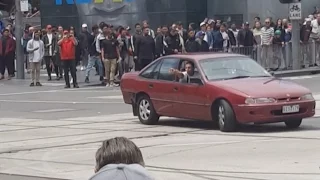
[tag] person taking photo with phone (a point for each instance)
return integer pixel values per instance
(67, 52)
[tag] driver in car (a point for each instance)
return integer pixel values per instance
(185, 76)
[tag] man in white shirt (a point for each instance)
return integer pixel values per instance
(187, 75)
(35, 48)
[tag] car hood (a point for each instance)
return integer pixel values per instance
(263, 87)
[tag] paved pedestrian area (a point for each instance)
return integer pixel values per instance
(50, 132)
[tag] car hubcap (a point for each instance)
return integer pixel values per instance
(221, 116)
(144, 109)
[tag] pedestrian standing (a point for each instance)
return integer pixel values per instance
(50, 44)
(67, 53)
(35, 48)
(109, 53)
(172, 44)
(83, 43)
(133, 43)
(94, 54)
(7, 51)
(146, 48)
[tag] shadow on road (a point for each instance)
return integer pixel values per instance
(265, 128)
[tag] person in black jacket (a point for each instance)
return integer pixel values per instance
(145, 49)
(83, 45)
(191, 44)
(246, 40)
(133, 45)
(204, 46)
(172, 44)
(159, 41)
(94, 54)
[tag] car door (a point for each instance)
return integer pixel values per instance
(194, 100)
(165, 89)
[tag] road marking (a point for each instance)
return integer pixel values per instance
(113, 117)
(59, 102)
(50, 91)
(53, 110)
(53, 84)
(106, 97)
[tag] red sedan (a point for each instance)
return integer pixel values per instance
(229, 89)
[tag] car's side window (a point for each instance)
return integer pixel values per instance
(152, 71)
(167, 64)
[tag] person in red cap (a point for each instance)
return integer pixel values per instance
(50, 51)
(67, 53)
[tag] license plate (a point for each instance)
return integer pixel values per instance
(290, 109)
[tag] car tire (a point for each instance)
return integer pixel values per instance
(146, 112)
(225, 117)
(294, 123)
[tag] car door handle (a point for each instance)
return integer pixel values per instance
(150, 86)
(175, 88)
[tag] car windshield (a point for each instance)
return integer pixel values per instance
(232, 68)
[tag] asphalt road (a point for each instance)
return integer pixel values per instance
(49, 132)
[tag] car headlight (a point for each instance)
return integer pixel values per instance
(259, 100)
(307, 97)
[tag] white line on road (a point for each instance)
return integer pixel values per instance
(49, 91)
(59, 102)
(53, 110)
(106, 97)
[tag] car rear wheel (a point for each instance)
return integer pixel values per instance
(226, 118)
(146, 112)
(293, 123)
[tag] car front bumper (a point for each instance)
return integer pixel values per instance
(268, 113)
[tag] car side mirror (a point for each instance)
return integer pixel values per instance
(196, 81)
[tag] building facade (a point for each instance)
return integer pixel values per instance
(245, 10)
(121, 12)
(160, 12)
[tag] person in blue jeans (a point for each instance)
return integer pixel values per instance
(95, 58)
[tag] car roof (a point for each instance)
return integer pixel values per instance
(201, 56)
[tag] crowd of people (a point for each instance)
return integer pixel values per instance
(114, 51)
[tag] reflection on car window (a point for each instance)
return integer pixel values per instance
(166, 66)
(231, 68)
(152, 71)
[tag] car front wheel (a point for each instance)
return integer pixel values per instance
(226, 118)
(146, 112)
(293, 123)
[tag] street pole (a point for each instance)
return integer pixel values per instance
(18, 36)
(295, 13)
(296, 45)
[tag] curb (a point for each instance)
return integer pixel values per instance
(302, 72)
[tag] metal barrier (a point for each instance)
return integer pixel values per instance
(279, 57)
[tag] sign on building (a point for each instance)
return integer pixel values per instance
(24, 5)
(295, 11)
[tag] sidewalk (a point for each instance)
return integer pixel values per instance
(300, 72)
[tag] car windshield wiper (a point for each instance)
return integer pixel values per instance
(238, 77)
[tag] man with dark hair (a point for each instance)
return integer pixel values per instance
(187, 74)
(145, 24)
(123, 39)
(133, 44)
(110, 54)
(7, 52)
(68, 52)
(160, 41)
(94, 54)
(172, 43)
(146, 49)
(181, 31)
